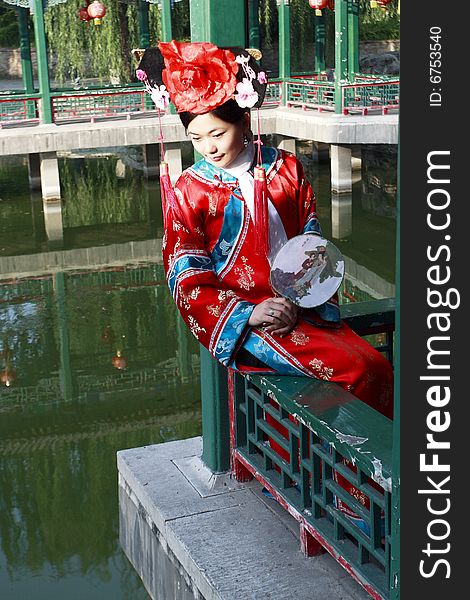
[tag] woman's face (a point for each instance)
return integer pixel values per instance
(219, 142)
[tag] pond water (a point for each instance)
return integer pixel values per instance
(95, 359)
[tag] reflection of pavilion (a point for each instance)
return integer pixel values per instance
(71, 357)
(362, 284)
(32, 265)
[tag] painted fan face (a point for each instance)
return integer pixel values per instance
(307, 270)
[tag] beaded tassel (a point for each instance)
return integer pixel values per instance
(261, 212)
(170, 204)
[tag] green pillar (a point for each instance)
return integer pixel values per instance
(43, 70)
(166, 21)
(25, 50)
(341, 50)
(143, 17)
(66, 379)
(353, 38)
(284, 45)
(254, 40)
(320, 43)
(167, 32)
(222, 22)
(215, 416)
(284, 37)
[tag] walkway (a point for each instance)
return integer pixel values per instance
(189, 532)
(323, 127)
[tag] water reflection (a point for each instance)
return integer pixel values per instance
(97, 358)
(70, 407)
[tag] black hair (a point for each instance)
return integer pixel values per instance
(229, 112)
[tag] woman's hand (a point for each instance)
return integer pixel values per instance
(276, 315)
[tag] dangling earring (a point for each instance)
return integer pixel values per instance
(246, 140)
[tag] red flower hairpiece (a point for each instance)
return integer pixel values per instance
(199, 76)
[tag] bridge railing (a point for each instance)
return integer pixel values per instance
(97, 103)
(367, 93)
(17, 108)
(310, 94)
(326, 457)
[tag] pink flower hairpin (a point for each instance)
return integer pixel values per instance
(159, 95)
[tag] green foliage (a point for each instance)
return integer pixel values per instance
(93, 194)
(382, 23)
(82, 49)
(302, 36)
(180, 24)
(9, 34)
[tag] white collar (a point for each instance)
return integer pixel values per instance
(242, 163)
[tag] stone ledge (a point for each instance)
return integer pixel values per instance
(219, 542)
(305, 124)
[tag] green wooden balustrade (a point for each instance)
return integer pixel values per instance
(328, 434)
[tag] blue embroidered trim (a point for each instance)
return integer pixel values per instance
(257, 346)
(231, 229)
(232, 330)
(185, 263)
(312, 226)
(203, 169)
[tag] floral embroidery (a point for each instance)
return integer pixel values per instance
(194, 326)
(299, 338)
(192, 295)
(322, 371)
(172, 256)
(214, 310)
(199, 231)
(165, 239)
(213, 199)
(245, 279)
(225, 294)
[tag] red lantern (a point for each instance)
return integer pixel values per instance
(119, 361)
(375, 3)
(318, 5)
(83, 13)
(96, 10)
(8, 376)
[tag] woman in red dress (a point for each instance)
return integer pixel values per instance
(219, 281)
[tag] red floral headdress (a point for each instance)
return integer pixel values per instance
(198, 77)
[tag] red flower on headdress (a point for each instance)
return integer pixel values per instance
(199, 76)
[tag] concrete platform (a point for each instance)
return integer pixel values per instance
(294, 122)
(191, 534)
(28, 265)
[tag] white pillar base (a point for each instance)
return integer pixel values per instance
(288, 144)
(120, 169)
(174, 160)
(51, 199)
(341, 215)
(341, 171)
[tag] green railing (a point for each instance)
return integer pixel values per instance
(326, 457)
(365, 94)
(310, 94)
(19, 108)
(98, 103)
